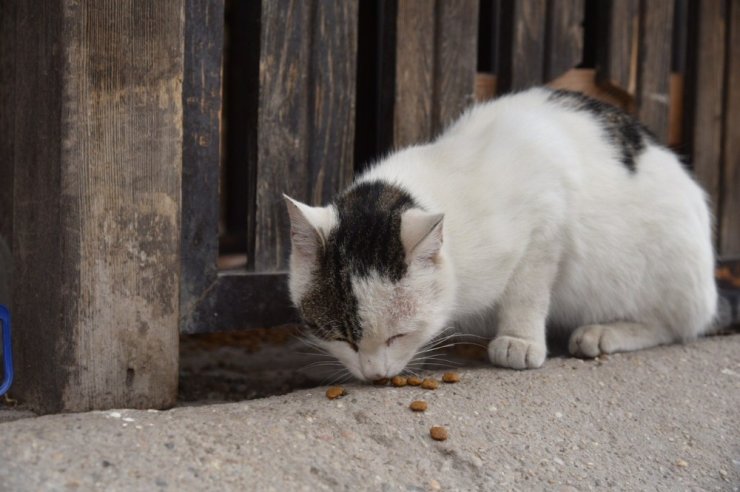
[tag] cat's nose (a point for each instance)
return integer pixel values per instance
(374, 376)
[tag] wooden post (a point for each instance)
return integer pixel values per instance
(98, 139)
(730, 212)
(7, 123)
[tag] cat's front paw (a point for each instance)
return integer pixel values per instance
(516, 353)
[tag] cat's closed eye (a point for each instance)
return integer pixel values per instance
(353, 345)
(394, 337)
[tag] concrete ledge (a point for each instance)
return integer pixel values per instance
(662, 419)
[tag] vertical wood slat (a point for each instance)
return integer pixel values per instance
(7, 124)
(619, 66)
(707, 104)
(527, 44)
(456, 59)
(565, 37)
(435, 66)
(295, 125)
(414, 86)
(654, 70)
(204, 39)
(730, 211)
(98, 183)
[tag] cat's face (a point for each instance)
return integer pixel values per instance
(370, 278)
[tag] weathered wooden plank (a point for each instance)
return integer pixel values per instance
(98, 183)
(204, 37)
(306, 114)
(243, 301)
(332, 103)
(283, 125)
(527, 43)
(565, 37)
(7, 124)
(456, 40)
(655, 66)
(413, 117)
(707, 82)
(730, 212)
(618, 67)
(41, 318)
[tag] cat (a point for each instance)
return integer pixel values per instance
(539, 208)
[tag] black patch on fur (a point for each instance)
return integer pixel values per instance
(627, 134)
(367, 239)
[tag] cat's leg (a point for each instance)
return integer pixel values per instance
(592, 340)
(522, 310)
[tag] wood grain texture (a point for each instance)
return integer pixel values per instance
(730, 211)
(204, 37)
(242, 301)
(456, 40)
(654, 66)
(527, 43)
(565, 37)
(44, 308)
(414, 87)
(618, 66)
(7, 132)
(306, 114)
(707, 97)
(106, 308)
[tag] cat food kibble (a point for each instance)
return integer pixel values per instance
(430, 384)
(335, 392)
(418, 406)
(380, 382)
(438, 433)
(398, 381)
(451, 377)
(413, 381)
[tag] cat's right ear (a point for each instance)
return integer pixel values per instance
(305, 236)
(421, 235)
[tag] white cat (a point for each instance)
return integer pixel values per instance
(542, 207)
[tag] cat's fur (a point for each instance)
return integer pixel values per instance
(543, 206)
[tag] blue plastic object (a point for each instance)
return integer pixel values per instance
(7, 351)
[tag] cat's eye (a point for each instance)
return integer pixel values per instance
(353, 345)
(394, 337)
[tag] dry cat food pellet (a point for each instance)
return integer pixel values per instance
(398, 381)
(438, 433)
(418, 406)
(335, 392)
(430, 384)
(381, 382)
(451, 377)
(413, 381)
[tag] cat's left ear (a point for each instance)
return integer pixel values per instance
(421, 235)
(305, 227)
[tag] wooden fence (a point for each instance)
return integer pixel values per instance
(145, 147)
(314, 90)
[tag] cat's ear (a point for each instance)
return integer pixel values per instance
(421, 235)
(305, 221)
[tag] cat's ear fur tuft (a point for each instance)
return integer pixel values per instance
(305, 235)
(421, 235)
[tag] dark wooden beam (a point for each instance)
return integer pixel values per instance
(729, 245)
(98, 139)
(204, 38)
(7, 132)
(240, 301)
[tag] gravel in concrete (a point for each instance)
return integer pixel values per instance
(662, 419)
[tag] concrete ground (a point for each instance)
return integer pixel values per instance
(661, 419)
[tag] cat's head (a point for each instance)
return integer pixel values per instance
(370, 277)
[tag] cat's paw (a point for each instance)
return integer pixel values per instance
(591, 341)
(516, 353)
